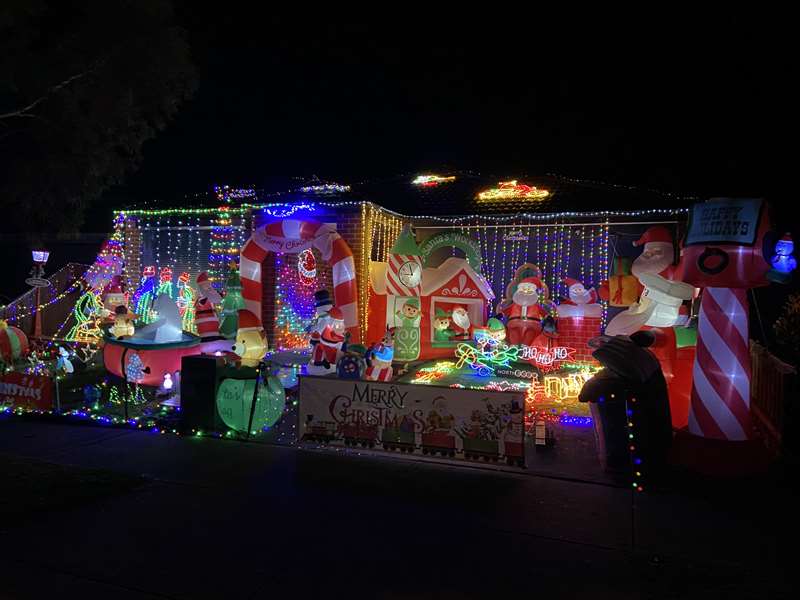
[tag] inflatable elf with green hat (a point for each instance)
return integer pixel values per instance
(441, 326)
(496, 329)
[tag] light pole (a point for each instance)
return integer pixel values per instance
(38, 281)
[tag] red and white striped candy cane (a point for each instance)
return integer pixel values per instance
(720, 406)
(293, 236)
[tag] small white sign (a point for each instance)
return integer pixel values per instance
(37, 282)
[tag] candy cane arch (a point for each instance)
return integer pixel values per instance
(720, 406)
(294, 236)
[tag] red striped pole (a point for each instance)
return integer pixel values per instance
(292, 235)
(720, 407)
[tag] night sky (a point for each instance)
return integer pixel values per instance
(687, 104)
(682, 104)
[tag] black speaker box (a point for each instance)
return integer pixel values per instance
(200, 378)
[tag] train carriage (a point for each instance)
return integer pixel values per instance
(515, 453)
(359, 434)
(477, 448)
(439, 442)
(321, 431)
(394, 438)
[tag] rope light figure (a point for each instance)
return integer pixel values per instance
(486, 356)
(88, 314)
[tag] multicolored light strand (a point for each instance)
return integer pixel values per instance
(294, 305)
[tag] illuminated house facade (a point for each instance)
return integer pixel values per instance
(548, 221)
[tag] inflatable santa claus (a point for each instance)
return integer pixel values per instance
(581, 302)
(662, 307)
(460, 323)
(113, 296)
(205, 317)
(524, 314)
(658, 253)
(327, 345)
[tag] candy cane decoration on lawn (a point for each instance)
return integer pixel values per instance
(293, 236)
(720, 406)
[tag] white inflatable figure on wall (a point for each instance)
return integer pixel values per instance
(659, 306)
(166, 326)
(581, 302)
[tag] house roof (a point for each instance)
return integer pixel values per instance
(434, 278)
(405, 243)
(460, 196)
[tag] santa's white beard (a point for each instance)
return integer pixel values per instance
(655, 265)
(580, 297)
(461, 319)
(525, 299)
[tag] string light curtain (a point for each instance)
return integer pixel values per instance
(379, 230)
(559, 249)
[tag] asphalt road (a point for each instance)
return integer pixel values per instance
(216, 518)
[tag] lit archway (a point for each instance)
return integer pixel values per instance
(293, 236)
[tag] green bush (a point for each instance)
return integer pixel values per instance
(787, 330)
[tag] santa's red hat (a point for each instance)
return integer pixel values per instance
(534, 280)
(248, 321)
(114, 286)
(330, 336)
(570, 281)
(657, 233)
(541, 286)
(336, 314)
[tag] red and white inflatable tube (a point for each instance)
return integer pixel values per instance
(294, 236)
(720, 407)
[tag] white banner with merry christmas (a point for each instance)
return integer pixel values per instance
(456, 423)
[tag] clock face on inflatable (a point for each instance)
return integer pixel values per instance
(410, 274)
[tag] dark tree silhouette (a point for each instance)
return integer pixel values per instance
(82, 86)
